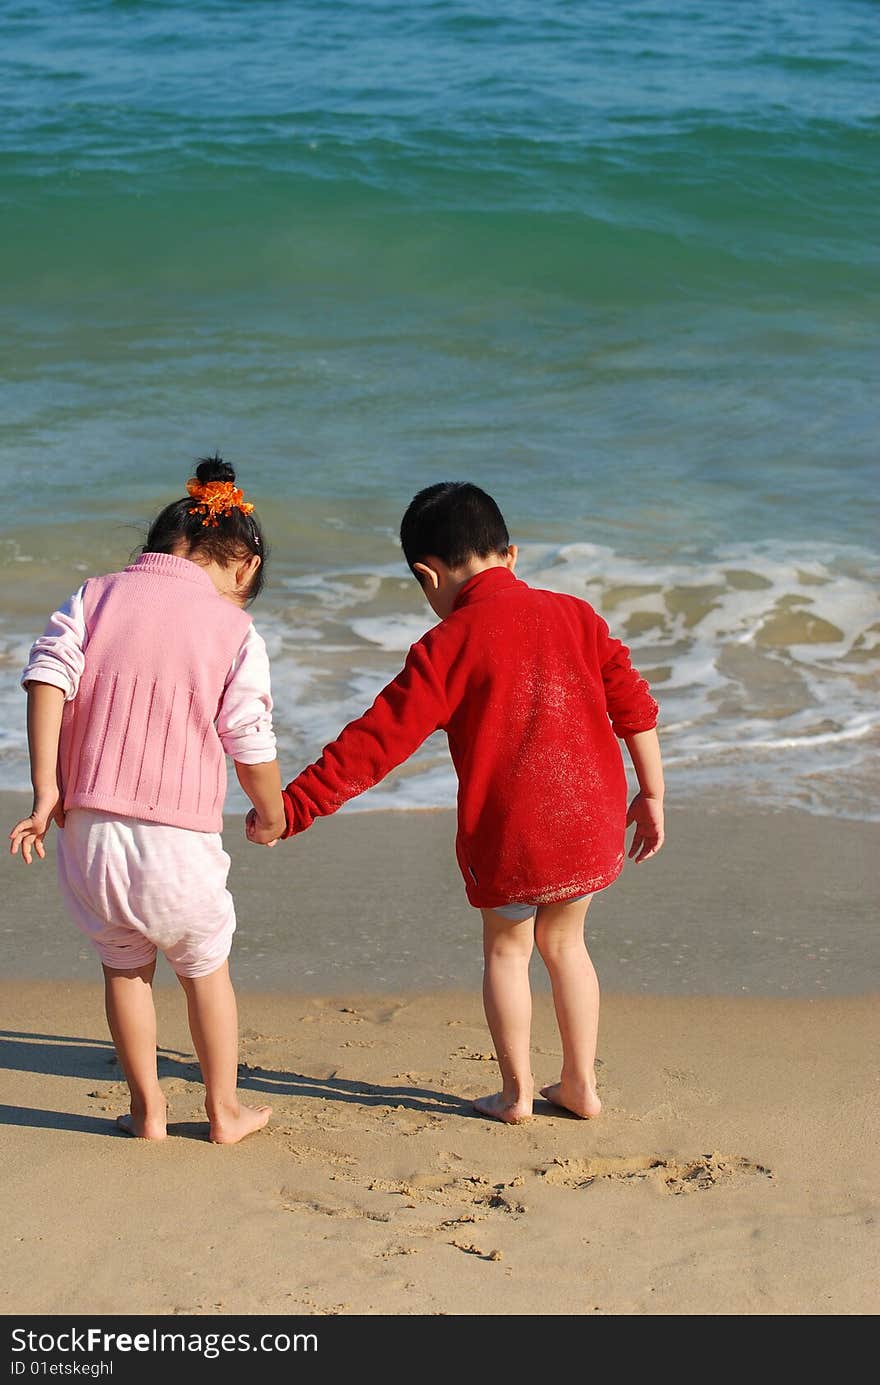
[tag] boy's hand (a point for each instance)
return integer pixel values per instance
(647, 814)
(29, 834)
(262, 835)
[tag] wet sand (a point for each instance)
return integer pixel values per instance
(739, 902)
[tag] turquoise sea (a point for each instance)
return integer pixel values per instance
(615, 262)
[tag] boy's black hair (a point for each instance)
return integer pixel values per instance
(235, 535)
(455, 521)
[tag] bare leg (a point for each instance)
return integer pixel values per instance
(131, 1015)
(507, 1000)
(213, 1023)
(559, 935)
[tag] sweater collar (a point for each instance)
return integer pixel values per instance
(490, 582)
(169, 565)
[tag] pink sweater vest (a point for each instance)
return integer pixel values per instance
(139, 738)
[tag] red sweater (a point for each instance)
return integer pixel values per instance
(531, 691)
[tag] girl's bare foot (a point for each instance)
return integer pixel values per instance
(230, 1127)
(510, 1110)
(578, 1097)
(147, 1125)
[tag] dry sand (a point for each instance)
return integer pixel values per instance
(734, 1169)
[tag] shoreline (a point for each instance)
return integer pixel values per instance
(739, 902)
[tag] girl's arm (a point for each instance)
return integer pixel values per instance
(51, 678)
(45, 705)
(244, 725)
(58, 655)
(646, 809)
(262, 784)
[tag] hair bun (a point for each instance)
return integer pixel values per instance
(214, 469)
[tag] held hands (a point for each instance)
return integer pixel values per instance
(29, 834)
(647, 814)
(262, 834)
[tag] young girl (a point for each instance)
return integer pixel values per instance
(139, 685)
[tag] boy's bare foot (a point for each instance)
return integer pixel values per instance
(578, 1097)
(143, 1127)
(512, 1111)
(229, 1128)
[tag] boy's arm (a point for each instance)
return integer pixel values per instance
(646, 809)
(633, 712)
(627, 695)
(45, 706)
(262, 784)
(402, 716)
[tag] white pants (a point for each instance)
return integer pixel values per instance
(136, 887)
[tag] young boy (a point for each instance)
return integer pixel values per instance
(532, 692)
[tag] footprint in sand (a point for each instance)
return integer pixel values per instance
(670, 1175)
(310, 1154)
(472, 1191)
(293, 1201)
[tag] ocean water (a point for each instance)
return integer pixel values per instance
(615, 262)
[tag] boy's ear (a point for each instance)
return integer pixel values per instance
(512, 555)
(427, 575)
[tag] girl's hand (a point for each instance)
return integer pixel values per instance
(647, 814)
(262, 835)
(29, 834)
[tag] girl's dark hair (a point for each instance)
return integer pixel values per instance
(235, 537)
(455, 521)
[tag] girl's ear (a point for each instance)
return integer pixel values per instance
(428, 576)
(245, 571)
(512, 555)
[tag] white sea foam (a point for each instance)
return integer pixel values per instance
(394, 633)
(747, 702)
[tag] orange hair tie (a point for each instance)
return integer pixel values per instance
(215, 498)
